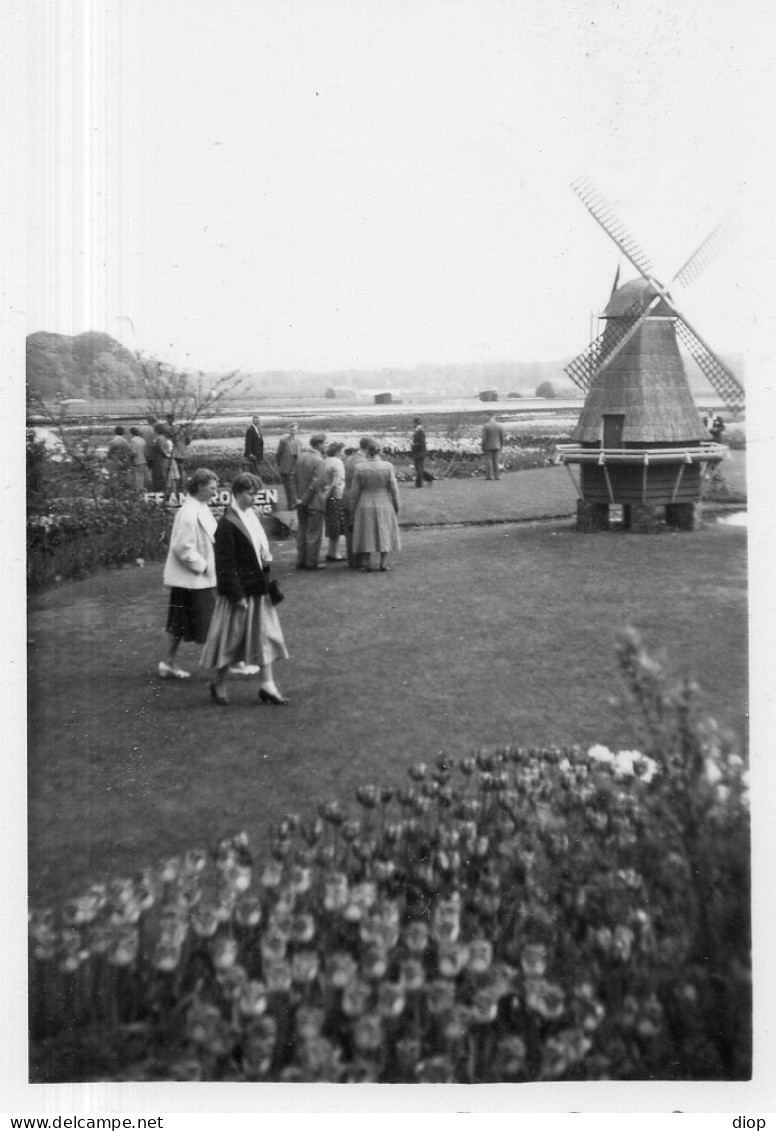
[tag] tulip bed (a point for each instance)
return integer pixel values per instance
(453, 453)
(525, 914)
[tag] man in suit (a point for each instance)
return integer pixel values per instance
(254, 446)
(310, 483)
(287, 454)
(418, 452)
(493, 437)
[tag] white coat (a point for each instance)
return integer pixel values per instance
(190, 560)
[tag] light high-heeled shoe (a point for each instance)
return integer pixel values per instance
(270, 697)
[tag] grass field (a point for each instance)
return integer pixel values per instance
(480, 635)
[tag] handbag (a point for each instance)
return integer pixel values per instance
(272, 589)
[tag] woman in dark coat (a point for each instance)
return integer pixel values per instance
(245, 624)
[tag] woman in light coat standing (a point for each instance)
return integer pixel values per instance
(375, 502)
(190, 571)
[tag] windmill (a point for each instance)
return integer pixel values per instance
(639, 441)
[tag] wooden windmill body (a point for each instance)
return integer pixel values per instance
(640, 443)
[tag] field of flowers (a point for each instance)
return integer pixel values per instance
(454, 451)
(525, 914)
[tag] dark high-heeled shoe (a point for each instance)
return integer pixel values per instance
(221, 700)
(269, 697)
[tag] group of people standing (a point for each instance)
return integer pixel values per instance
(330, 500)
(151, 458)
(344, 494)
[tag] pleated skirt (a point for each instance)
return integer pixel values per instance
(253, 634)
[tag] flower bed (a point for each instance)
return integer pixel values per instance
(456, 455)
(527, 914)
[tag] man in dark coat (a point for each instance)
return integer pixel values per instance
(418, 452)
(254, 446)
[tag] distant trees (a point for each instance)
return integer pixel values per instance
(111, 376)
(546, 389)
(92, 365)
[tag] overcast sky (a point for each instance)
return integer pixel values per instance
(356, 183)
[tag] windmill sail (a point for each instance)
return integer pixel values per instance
(603, 215)
(584, 367)
(714, 243)
(716, 373)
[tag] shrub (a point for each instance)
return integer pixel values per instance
(79, 536)
(735, 437)
(527, 914)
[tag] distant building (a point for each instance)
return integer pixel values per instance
(341, 392)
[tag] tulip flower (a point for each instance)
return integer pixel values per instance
(341, 969)
(368, 1032)
(252, 1001)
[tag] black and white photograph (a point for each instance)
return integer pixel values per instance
(475, 806)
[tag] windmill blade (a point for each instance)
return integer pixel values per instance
(715, 371)
(584, 367)
(714, 243)
(603, 214)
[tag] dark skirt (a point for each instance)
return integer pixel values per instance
(335, 518)
(190, 613)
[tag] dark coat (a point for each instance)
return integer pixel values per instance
(254, 445)
(418, 448)
(238, 571)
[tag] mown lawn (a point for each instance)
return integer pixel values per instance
(480, 635)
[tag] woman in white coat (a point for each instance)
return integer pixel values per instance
(190, 570)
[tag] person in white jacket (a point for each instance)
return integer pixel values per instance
(190, 570)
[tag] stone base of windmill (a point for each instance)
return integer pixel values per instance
(684, 516)
(592, 517)
(640, 518)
